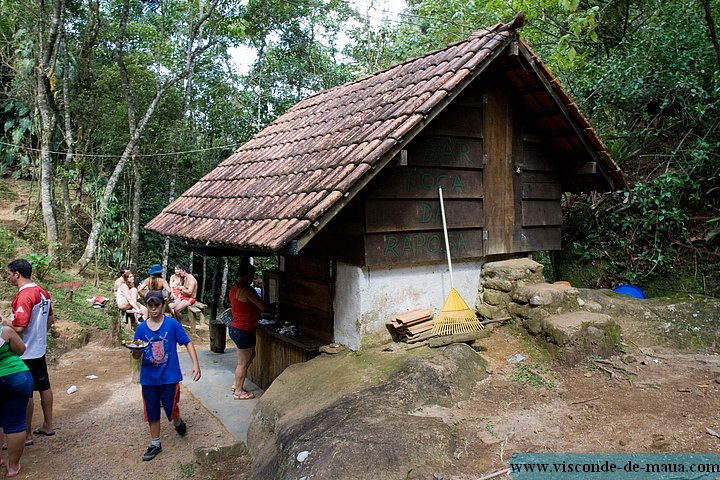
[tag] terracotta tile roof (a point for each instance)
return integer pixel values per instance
(297, 173)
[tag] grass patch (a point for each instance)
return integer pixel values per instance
(6, 194)
(533, 374)
(187, 470)
(79, 310)
(536, 348)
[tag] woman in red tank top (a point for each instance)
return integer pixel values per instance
(246, 307)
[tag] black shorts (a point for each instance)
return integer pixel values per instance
(38, 369)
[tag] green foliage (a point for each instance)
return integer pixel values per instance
(642, 233)
(532, 374)
(297, 53)
(187, 470)
(264, 264)
(7, 246)
(79, 310)
(40, 264)
(17, 125)
(51, 348)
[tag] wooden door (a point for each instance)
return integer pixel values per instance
(498, 174)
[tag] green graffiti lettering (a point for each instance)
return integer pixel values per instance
(434, 243)
(426, 213)
(391, 243)
(427, 181)
(461, 245)
(457, 184)
(407, 249)
(464, 153)
(440, 180)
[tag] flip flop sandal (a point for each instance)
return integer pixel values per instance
(243, 395)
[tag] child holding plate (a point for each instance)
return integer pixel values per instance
(155, 343)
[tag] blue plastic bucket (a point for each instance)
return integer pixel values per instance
(630, 290)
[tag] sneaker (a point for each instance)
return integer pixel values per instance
(152, 452)
(181, 428)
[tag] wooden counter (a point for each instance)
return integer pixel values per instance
(275, 352)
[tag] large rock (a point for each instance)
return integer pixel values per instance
(518, 269)
(578, 335)
(564, 329)
(546, 294)
(349, 416)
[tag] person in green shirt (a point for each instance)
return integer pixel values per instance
(16, 388)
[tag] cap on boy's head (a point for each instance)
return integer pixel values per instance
(155, 269)
(155, 296)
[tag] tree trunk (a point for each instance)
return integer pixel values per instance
(711, 28)
(223, 286)
(44, 70)
(218, 331)
(201, 287)
(86, 83)
(135, 217)
(171, 197)
(193, 51)
(69, 154)
(46, 192)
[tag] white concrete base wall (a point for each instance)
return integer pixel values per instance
(366, 298)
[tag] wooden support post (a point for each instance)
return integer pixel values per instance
(115, 326)
(218, 331)
(198, 309)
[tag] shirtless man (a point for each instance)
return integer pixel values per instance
(187, 287)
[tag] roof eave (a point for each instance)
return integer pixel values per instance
(608, 170)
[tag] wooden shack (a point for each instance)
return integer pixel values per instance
(344, 188)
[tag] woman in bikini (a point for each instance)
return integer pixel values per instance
(246, 306)
(156, 282)
(126, 295)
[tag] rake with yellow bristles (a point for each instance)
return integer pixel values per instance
(455, 316)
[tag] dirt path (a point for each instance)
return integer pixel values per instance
(100, 428)
(665, 405)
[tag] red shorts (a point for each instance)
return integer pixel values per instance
(187, 299)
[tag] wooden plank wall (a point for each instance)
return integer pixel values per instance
(273, 355)
(343, 238)
(403, 224)
(541, 190)
(500, 218)
(501, 184)
(306, 295)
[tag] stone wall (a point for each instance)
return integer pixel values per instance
(498, 282)
(517, 288)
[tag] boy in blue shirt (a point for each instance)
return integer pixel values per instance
(160, 373)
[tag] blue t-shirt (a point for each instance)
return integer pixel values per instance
(160, 364)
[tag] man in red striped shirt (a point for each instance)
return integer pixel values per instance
(31, 318)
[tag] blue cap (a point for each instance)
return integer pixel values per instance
(155, 269)
(155, 296)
